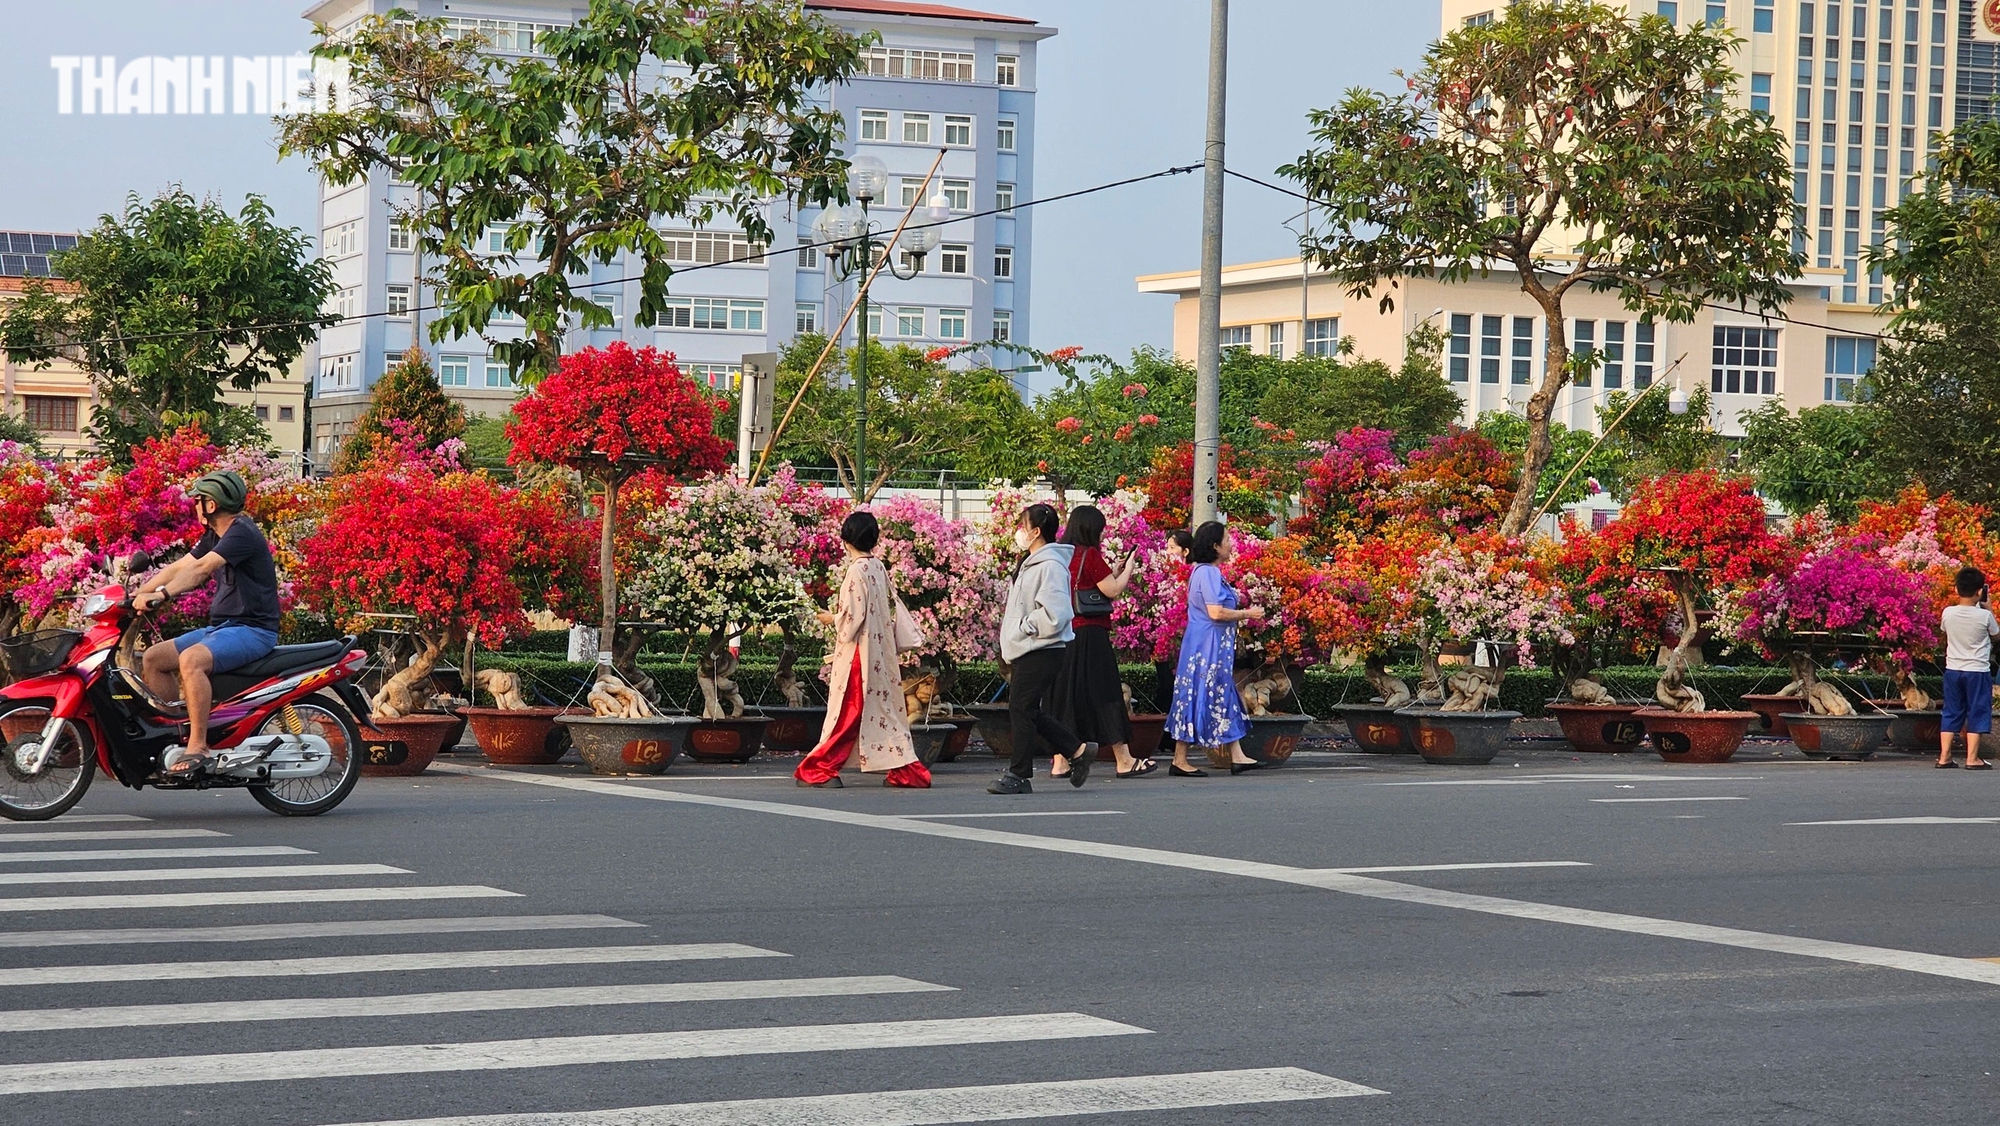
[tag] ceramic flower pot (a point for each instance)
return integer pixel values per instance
(1771, 712)
(1376, 729)
(404, 747)
(518, 737)
(961, 737)
(1915, 732)
(1273, 738)
(726, 740)
(995, 728)
(1849, 737)
(792, 730)
(611, 745)
(1458, 738)
(1147, 733)
(1699, 737)
(1600, 728)
(930, 739)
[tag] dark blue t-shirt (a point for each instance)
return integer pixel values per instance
(246, 588)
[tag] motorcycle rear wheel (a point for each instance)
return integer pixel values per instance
(53, 790)
(325, 716)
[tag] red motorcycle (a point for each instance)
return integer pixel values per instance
(282, 727)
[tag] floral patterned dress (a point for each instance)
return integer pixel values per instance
(1207, 711)
(864, 707)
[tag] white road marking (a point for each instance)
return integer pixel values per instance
(111, 835)
(1643, 801)
(556, 1051)
(341, 928)
(1908, 821)
(1038, 813)
(943, 1106)
(247, 898)
(237, 872)
(467, 1001)
(1564, 779)
(1938, 965)
(79, 819)
(382, 963)
(1457, 867)
(213, 852)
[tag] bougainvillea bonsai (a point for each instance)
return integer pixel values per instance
(1343, 487)
(608, 414)
(1706, 534)
(1368, 601)
(1460, 483)
(31, 490)
(1848, 597)
(722, 560)
(1610, 606)
(1486, 588)
(1931, 538)
(1244, 492)
(955, 596)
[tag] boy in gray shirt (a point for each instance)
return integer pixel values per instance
(1969, 630)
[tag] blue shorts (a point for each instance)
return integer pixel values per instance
(1968, 702)
(232, 645)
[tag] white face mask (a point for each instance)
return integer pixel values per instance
(1021, 539)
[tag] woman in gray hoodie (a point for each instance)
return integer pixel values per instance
(1033, 635)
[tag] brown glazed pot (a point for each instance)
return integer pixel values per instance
(995, 727)
(792, 730)
(1600, 729)
(1915, 732)
(1268, 739)
(405, 747)
(612, 745)
(1850, 737)
(1376, 729)
(519, 737)
(727, 740)
(929, 740)
(1458, 738)
(1147, 733)
(960, 738)
(1698, 737)
(1771, 713)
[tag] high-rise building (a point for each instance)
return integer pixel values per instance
(939, 77)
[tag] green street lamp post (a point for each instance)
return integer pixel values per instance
(855, 246)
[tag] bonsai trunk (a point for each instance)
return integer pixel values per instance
(607, 574)
(625, 665)
(1673, 692)
(1430, 685)
(785, 680)
(1395, 693)
(1580, 684)
(1474, 689)
(1820, 697)
(715, 674)
(407, 691)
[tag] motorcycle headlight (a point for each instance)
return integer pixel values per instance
(97, 604)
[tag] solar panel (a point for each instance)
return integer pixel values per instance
(44, 244)
(13, 266)
(20, 243)
(38, 266)
(65, 242)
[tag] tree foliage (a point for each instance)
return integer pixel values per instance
(573, 153)
(166, 304)
(1574, 145)
(1822, 457)
(408, 394)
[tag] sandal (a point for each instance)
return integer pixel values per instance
(180, 763)
(1946, 765)
(1143, 767)
(1982, 765)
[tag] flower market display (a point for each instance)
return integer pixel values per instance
(936, 568)
(1486, 590)
(1849, 597)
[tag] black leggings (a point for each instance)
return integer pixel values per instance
(1034, 680)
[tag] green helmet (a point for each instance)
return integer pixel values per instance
(225, 487)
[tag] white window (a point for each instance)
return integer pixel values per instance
(678, 312)
(506, 317)
(1235, 336)
(1003, 198)
(497, 375)
(711, 247)
(1583, 345)
(343, 303)
(399, 301)
(916, 129)
(1003, 324)
(958, 195)
(401, 237)
(1642, 355)
(1744, 361)
(1848, 360)
(1458, 353)
(263, 413)
(609, 303)
(951, 324)
(875, 321)
(343, 240)
(713, 313)
(1521, 361)
(907, 262)
(1006, 134)
(909, 62)
(454, 371)
(911, 188)
(518, 37)
(909, 322)
(1007, 70)
(1614, 354)
(746, 316)
(954, 258)
(808, 254)
(957, 130)
(717, 377)
(1003, 261)
(337, 371)
(1323, 336)
(1489, 349)
(874, 124)
(1274, 340)
(392, 361)
(808, 318)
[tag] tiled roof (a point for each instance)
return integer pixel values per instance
(25, 254)
(896, 8)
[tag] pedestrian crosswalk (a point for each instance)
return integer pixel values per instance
(431, 1012)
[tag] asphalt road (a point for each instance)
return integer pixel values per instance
(1688, 947)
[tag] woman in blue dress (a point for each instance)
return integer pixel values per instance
(1207, 710)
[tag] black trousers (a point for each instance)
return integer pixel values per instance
(1037, 734)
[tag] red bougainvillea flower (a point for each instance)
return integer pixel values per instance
(1069, 425)
(937, 355)
(1122, 434)
(1135, 390)
(1065, 355)
(609, 412)
(1149, 420)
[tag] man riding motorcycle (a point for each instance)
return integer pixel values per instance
(243, 617)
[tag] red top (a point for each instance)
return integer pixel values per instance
(1087, 568)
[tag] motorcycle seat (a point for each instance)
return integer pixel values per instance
(284, 659)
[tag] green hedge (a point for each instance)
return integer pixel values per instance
(1528, 691)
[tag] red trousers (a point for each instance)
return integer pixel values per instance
(825, 761)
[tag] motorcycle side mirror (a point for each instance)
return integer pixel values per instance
(139, 561)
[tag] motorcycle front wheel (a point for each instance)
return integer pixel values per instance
(58, 782)
(326, 717)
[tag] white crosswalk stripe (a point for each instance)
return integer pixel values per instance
(79, 819)
(635, 991)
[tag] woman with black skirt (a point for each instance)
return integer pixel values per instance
(1090, 696)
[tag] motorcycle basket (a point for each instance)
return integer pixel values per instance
(33, 654)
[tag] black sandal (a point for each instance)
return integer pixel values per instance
(1981, 765)
(1179, 773)
(180, 764)
(1946, 765)
(1146, 766)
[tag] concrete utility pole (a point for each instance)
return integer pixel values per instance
(1208, 356)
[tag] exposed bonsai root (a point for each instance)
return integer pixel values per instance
(719, 694)
(1590, 690)
(504, 687)
(1820, 697)
(1394, 691)
(613, 698)
(1473, 690)
(408, 692)
(785, 680)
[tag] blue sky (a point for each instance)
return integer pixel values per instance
(1122, 92)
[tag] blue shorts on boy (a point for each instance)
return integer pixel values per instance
(1968, 702)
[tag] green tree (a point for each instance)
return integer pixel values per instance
(15, 429)
(1823, 456)
(1653, 441)
(1574, 145)
(571, 155)
(409, 395)
(164, 305)
(1568, 448)
(1319, 397)
(486, 444)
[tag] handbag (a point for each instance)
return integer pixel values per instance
(1087, 601)
(909, 635)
